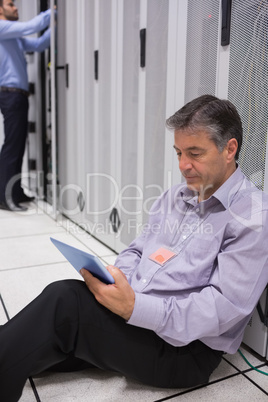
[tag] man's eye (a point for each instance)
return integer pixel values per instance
(195, 155)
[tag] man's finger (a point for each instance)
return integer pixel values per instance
(116, 273)
(91, 281)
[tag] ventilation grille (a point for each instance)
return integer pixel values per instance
(201, 53)
(248, 76)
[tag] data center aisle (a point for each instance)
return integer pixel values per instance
(29, 261)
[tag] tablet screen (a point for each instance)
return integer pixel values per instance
(80, 259)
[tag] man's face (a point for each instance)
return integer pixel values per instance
(205, 168)
(9, 11)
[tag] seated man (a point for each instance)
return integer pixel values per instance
(184, 289)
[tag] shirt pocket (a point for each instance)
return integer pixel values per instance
(199, 258)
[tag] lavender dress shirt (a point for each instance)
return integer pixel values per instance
(208, 290)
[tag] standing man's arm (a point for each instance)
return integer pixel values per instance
(37, 44)
(15, 29)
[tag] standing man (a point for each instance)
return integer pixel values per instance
(14, 94)
(184, 290)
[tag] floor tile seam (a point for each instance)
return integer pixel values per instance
(4, 307)
(84, 244)
(91, 249)
(262, 365)
(107, 256)
(10, 218)
(110, 255)
(32, 266)
(34, 389)
(64, 230)
(86, 232)
(254, 383)
(22, 215)
(254, 368)
(246, 371)
(45, 213)
(28, 235)
(188, 391)
(34, 212)
(232, 364)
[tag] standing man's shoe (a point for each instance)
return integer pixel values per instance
(24, 198)
(12, 206)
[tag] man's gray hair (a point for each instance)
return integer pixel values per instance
(219, 118)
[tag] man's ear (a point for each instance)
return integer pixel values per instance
(231, 149)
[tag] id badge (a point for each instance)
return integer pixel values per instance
(162, 255)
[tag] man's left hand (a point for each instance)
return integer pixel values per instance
(118, 297)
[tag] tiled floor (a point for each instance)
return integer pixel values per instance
(29, 261)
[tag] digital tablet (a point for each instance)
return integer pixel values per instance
(80, 259)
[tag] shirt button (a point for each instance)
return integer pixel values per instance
(184, 237)
(144, 280)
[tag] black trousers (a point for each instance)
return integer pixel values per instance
(66, 326)
(14, 107)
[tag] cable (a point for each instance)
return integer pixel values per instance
(259, 371)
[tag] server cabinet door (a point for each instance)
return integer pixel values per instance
(248, 85)
(71, 72)
(101, 185)
(129, 153)
(68, 136)
(142, 122)
(248, 90)
(155, 102)
(256, 333)
(202, 48)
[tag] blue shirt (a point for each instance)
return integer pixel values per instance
(13, 69)
(208, 290)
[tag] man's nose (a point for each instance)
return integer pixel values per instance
(185, 163)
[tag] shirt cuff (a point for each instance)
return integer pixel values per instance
(148, 312)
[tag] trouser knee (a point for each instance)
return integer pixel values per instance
(61, 301)
(64, 288)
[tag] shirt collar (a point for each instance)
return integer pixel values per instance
(224, 194)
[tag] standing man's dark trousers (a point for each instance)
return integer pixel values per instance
(65, 326)
(14, 107)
